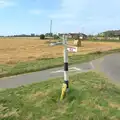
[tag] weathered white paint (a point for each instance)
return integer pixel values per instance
(92, 65)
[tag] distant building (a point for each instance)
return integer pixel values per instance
(74, 35)
(117, 34)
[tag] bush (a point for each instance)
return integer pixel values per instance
(98, 52)
(42, 36)
(56, 37)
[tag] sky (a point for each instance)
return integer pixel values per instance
(33, 16)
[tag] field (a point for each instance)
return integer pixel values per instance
(91, 97)
(13, 50)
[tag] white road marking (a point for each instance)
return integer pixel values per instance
(58, 71)
(77, 69)
(72, 69)
(92, 65)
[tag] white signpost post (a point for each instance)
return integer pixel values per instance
(67, 48)
(66, 77)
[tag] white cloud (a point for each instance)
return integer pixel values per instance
(61, 16)
(6, 3)
(70, 9)
(77, 14)
(69, 22)
(35, 12)
(70, 14)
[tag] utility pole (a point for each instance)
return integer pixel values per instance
(51, 28)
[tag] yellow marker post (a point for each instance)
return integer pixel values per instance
(64, 88)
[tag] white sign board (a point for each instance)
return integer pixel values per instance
(72, 49)
(81, 37)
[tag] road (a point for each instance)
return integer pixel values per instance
(109, 64)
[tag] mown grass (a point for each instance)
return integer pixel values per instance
(43, 64)
(91, 97)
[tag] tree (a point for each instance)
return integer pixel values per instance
(56, 36)
(42, 36)
(32, 35)
(48, 34)
(109, 34)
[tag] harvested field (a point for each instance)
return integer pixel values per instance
(13, 50)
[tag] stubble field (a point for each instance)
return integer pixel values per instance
(13, 50)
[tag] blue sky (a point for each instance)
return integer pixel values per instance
(33, 16)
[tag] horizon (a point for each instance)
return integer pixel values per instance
(84, 16)
(15, 35)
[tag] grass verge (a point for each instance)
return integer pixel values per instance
(38, 65)
(91, 97)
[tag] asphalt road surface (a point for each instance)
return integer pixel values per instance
(109, 64)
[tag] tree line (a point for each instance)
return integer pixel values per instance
(22, 35)
(110, 33)
(32, 35)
